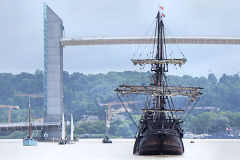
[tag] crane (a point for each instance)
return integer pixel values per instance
(108, 115)
(9, 107)
(29, 95)
(110, 104)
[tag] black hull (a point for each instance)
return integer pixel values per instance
(62, 142)
(158, 144)
(106, 140)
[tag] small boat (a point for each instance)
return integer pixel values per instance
(192, 141)
(108, 121)
(29, 141)
(63, 140)
(106, 140)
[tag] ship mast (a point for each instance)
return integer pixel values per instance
(29, 119)
(159, 89)
(159, 70)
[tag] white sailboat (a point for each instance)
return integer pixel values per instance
(72, 130)
(63, 139)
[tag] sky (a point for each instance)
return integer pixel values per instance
(21, 31)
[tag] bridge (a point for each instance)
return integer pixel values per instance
(24, 126)
(149, 40)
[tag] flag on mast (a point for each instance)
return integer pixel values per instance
(162, 8)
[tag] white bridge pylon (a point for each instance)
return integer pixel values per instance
(148, 40)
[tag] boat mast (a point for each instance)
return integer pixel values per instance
(29, 119)
(159, 71)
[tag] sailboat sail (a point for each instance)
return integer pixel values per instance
(72, 128)
(63, 127)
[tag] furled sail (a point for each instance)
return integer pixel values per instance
(141, 62)
(192, 92)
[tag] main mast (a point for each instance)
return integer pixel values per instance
(159, 69)
(159, 89)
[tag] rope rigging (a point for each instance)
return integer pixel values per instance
(127, 111)
(191, 109)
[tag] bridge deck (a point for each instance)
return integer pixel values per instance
(147, 40)
(24, 126)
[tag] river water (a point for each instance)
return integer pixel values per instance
(120, 149)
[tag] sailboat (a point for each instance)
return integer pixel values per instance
(63, 138)
(160, 128)
(71, 141)
(108, 123)
(29, 141)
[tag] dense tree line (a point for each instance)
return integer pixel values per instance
(118, 128)
(213, 122)
(83, 93)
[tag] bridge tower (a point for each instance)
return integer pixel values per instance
(53, 69)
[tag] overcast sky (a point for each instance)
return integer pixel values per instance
(21, 31)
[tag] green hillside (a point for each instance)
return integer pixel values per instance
(83, 93)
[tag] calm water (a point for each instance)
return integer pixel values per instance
(120, 149)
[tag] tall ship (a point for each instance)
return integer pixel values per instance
(160, 127)
(63, 139)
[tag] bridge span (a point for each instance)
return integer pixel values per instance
(24, 126)
(148, 40)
